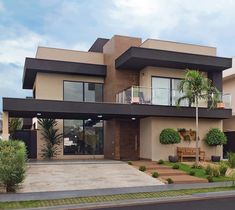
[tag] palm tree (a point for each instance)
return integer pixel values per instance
(51, 137)
(195, 87)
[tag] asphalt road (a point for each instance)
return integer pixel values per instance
(227, 203)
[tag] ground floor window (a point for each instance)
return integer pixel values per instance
(83, 137)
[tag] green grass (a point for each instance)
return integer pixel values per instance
(198, 172)
(106, 198)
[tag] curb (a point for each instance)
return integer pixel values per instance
(106, 191)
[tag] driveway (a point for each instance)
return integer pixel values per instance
(82, 175)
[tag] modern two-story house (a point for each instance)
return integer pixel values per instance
(114, 100)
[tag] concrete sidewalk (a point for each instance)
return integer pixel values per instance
(105, 191)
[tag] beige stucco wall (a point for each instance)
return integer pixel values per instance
(179, 47)
(50, 86)
(229, 124)
(159, 151)
(70, 55)
(146, 138)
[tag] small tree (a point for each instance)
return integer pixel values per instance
(170, 136)
(194, 87)
(14, 125)
(12, 164)
(215, 137)
(51, 136)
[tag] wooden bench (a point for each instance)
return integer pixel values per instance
(183, 152)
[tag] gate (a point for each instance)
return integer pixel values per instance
(29, 137)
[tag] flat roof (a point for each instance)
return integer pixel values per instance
(137, 58)
(34, 65)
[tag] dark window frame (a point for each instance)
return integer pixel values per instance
(83, 89)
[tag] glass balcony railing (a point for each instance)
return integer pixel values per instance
(162, 96)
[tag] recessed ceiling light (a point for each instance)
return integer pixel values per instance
(89, 119)
(99, 116)
(39, 114)
(133, 118)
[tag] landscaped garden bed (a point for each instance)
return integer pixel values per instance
(203, 170)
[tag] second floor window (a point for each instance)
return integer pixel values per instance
(83, 91)
(165, 91)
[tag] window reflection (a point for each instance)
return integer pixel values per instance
(83, 137)
(83, 91)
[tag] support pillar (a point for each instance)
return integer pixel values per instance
(5, 126)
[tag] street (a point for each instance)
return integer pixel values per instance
(227, 203)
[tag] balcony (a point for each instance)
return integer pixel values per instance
(162, 96)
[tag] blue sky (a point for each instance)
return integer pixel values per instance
(75, 24)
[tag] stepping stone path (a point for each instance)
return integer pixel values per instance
(165, 172)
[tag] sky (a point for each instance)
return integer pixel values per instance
(75, 24)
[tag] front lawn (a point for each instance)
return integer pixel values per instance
(199, 172)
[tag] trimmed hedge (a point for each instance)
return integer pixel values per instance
(12, 164)
(215, 137)
(169, 136)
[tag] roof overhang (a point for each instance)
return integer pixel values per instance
(137, 58)
(29, 108)
(33, 66)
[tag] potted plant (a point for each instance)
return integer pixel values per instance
(220, 105)
(170, 136)
(215, 137)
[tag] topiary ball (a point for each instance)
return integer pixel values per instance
(215, 137)
(169, 136)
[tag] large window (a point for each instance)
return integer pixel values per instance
(83, 137)
(83, 91)
(165, 91)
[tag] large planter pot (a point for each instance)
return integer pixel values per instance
(215, 158)
(173, 159)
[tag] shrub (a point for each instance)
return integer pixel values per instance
(195, 166)
(12, 164)
(130, 163)
(170, 181)
(212, 171)
(210, 178)
(155, 174)
(142, 168)
(215, 137)
(176, 166)
(231, 159)
(223, 168)
(160, 162)
(215, 171)
(169, 136)
(209, 170)
(191, 173)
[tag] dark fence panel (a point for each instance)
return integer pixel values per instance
(29, 137)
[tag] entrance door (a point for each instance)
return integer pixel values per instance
(129, 139)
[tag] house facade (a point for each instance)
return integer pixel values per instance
(114, 100)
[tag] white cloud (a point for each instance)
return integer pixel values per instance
(2, 8)
(207, 22)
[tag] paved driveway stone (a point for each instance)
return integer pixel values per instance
(80, 175)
